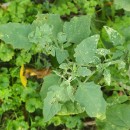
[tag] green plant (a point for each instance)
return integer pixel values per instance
(19, 11)
(73, 7)
(84, 64)
(88, 78)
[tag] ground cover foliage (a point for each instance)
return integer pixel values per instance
(64, 64)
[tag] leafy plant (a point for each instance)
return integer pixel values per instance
(18, 11)
(73, 7)
(88, 76)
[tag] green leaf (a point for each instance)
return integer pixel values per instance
(61, 37)
(49, 80)
(23, 57)
(106, 125)
(117, 99)
(61, 55)
(125, 4)
(16, 34)
(4, 78)
(107, 76)
(117, 54)
(71, 108)
(56, 96)
(115, 37)
(32, 104)
(61, 92)
(41, 35)
(90, 96)
(70, 92)
(119, 115)
(73, 122)
(121, 64)
(83, 71)
(5, 94)
(18, 123)
(103, 52)
(85, 51)
(6, 52)
(53, 20)
(51, 106)
(77, 29)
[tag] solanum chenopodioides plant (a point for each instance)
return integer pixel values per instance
(79, 59)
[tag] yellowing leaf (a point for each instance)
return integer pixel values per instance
(22, 77)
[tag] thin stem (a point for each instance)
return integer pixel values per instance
(89, 76)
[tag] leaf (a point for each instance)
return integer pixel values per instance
(117, 99)
(53, 20)
(16, 34)
(89, 96)
(61, 37)
(65, 91)
(119, 115)
(6, 52)
(61, 55)
(32, 104)
(22, 77)
(49, 80)
(107, 76)
(57, 95)
(51, 106)
(71, 108)
(103, 52)
(85, 51)
(117, 54)
(23, 57)
(41, 35)
(61, 92)
(106, 125)
(115, 37)
(75, 31)
(121, 64)
(70, 92)
(83, 71)
(125, 4)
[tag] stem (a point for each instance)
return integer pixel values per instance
(89, 76)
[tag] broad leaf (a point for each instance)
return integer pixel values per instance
(119, 115)
(42, 35)
(125, 4)
(89, 95)
(106, 125)
(61, 37)
(70, 92)
(49, 80)
(115, 37)
(83, 71)
(51, 106)
(85, 51)
(61, 55)
(71, 108)
(52, 20)
(52, 103)
(77, 29)
(16, 34)
(62, 92)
